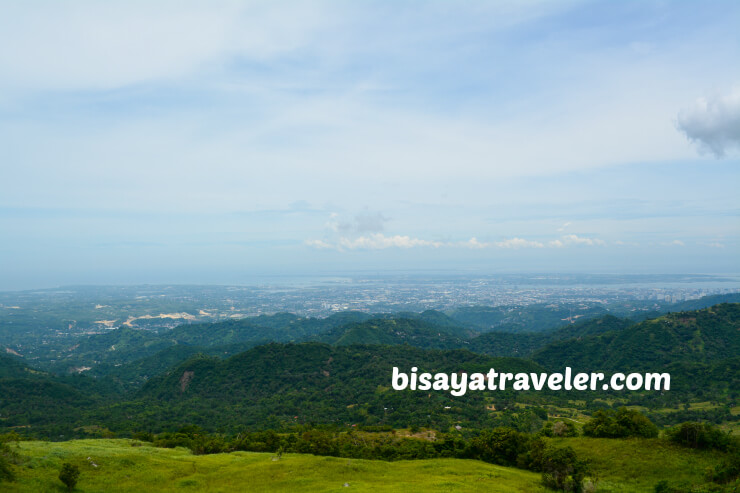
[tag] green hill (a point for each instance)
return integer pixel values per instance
(119, 467)
(394, 331)
(704, 336)
(102, 352)
(280, 385)
(619, 465)
(523, 344)
(29, 397)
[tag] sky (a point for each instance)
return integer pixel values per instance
(217, 141)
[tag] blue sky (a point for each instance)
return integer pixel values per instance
(214, 141)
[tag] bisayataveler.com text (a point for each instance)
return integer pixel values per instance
(459, 383)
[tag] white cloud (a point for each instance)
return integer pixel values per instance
(575, 240)
(518, 243)
(105, 45)
(379, 241)
(320, 244)
(713, 122)
(674, 243)
(474, 243)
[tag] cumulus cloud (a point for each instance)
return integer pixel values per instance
(575, 240)
(518, 243)
(474, 243)
(713, 123)
(674, 243)
(320, 244)
(379, 241)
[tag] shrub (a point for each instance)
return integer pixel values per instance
(69, 475)
(701, 435)
(562, 470)
(6, 473)
(500, 445)
(559, 429)
(726, 471)
(7, 456)
(622, 423)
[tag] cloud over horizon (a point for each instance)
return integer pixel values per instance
(379, 241)
(713, 123)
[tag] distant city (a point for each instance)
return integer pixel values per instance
(95, 309)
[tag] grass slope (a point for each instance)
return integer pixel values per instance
(123, 468)
(637, 464)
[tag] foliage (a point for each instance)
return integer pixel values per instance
(559, 428)
(500, 446)
(6, 458)
(704, 336)
(702, 435)
(619, 424)
(69, 475)
(562, 470)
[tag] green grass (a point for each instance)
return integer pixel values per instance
(124, 468)
(630, 465)
(637, 464)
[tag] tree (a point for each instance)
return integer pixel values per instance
(562, 470)
(619, 424)
(7, 456)
(69, 475)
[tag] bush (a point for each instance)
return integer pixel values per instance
(500, 446)
(702, 436)
(622, 423)
(7, 456)
(559, 429)
(6, 473)
(69, 475)
(204, 444)
(562, 470)
(726, 471)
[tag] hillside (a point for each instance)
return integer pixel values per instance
(394, 331)
(165, 470)
(101, 352)
(29, 396)
(523, 344)
(705, 336)
(281, 385)
(632, 465)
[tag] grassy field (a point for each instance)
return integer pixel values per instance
(122, 467)
(632, 465)
(637, 464)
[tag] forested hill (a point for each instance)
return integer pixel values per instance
(457, 328)
(124, 345)
(348, 380)
(13, 367)
(705, 336)
(280, 384)
(523, 344)
(394, 331)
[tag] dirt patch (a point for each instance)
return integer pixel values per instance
(185, 380)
